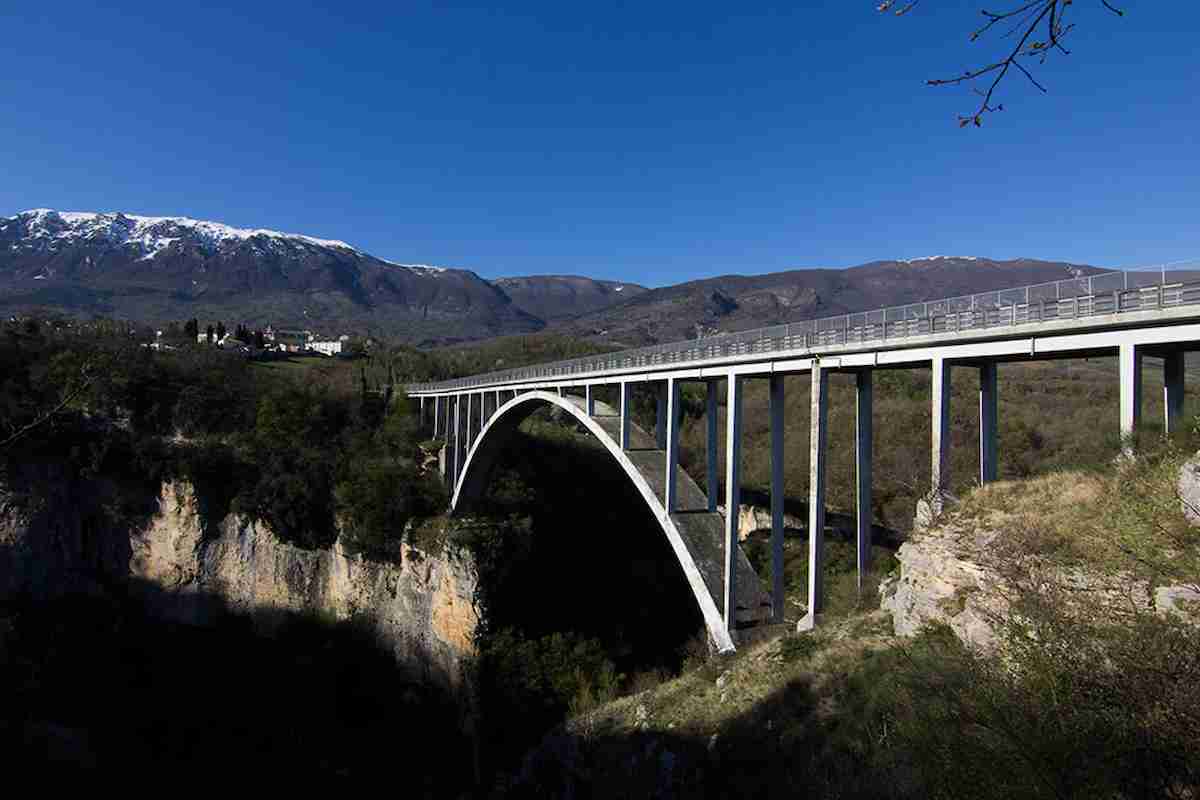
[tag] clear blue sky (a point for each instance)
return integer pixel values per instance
(651, 142)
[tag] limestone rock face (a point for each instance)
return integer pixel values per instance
(938, 581)
(423, 610)
(753, 518)
(949, 574)
(1179, 601)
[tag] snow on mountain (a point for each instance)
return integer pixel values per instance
(153, 233)
(938, 258)
(48, 228)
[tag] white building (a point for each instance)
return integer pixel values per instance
(329, 348)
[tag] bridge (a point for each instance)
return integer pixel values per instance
(1124, 314)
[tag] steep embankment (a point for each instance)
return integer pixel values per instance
(1040, 640)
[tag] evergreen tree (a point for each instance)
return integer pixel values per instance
(220, 330)
(259, 342)
(210, 334)
(191, 329)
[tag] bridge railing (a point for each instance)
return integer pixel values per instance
(1089, 295)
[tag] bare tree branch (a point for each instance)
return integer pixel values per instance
(86, 378)
(1025, 20)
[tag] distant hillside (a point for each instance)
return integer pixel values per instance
(159, 269)
(557, 297)
(738, 302)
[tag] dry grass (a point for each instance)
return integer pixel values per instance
(1124, 519)
(703, 701)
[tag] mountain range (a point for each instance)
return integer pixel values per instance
(159, 269)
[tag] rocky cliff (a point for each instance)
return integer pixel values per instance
(423, 610)
(966, 568)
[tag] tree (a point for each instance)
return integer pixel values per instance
(191, 329)
(260, 342)
(210, 334)
(220, 330)
(1022, 22)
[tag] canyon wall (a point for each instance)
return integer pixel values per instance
(422, 610)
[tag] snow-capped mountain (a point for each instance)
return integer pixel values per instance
(161, 268)
(157, 269)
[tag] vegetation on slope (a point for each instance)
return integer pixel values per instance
(1079, 703)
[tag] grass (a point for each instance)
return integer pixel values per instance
(1083, 705)
(1125, 519)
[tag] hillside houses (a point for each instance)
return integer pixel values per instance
(304, 341)
(280, 340)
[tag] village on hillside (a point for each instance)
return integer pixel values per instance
(267, 340)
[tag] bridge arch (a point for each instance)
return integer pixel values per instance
(494, 439)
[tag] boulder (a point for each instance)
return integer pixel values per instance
(1188, 488)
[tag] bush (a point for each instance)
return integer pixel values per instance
(377, 497)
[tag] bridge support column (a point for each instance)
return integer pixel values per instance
(1173, 382)
(988, 422)
(457, 444)
(939, 483)
(1131, 394)
(671, 492)
(468, 415)
(710, 416)
(660, 415)
(589, 401)
(816, 498)
(733, 496)
(863, 453)
(483, 410)
(437, 415)
(626, 411)
(777, 495)
(421, 413)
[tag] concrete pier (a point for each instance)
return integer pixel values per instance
(660, 415)
(733, 495)
(939, 479)
(626, 411)
(710, 417)
(1130, 359)
(988, 422)
(775, 403)
(816, 497)
(863, 455)
(457, 435)
(1173, 383)
(671, 499)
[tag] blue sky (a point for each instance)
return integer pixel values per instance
(642, 142)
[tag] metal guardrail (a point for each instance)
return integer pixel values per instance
(1091, 295)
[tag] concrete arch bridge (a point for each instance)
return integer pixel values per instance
(1124, 314)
